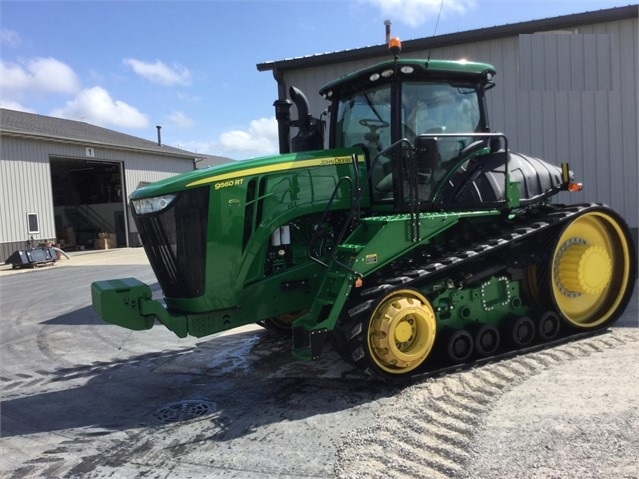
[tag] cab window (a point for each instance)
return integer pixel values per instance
(364, 120)
(432, 107)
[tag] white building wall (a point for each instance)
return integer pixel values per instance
(590, 122)
(25, 187)
(25, 180)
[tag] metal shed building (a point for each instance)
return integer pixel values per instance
(566, 91)
(68, 181)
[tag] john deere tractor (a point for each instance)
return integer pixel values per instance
(417, 240)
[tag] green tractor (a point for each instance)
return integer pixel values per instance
(416, 241)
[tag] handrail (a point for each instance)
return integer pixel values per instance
(355, 207)
(463, 156)
(91, 217)
(413, 194)
(325, 214)
(100, 221)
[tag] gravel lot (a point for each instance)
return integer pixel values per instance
(562, 413)
(84, 399)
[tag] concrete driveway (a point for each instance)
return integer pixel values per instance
(82, 398)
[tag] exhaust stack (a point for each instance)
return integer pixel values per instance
(387, 24)
(309, 135)
(283, 117)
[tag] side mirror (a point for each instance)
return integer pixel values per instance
(426, 152)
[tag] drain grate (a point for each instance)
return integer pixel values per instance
(183, 410)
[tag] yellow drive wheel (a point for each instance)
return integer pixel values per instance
(401, 331)
(591, 269)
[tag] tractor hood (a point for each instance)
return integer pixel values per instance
(234, 173)
(201, 229)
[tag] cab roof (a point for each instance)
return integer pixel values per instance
(422, 70)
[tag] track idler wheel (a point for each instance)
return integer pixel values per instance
(400, 333)
(548, 326)
(522, 332)
(592, 270)
(460, 346)
(486, 340)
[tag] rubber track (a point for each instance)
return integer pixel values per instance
(521, 229)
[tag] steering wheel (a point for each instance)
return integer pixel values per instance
(372, 136)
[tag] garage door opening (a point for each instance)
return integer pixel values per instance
(88, 204)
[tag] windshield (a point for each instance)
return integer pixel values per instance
(364, 119)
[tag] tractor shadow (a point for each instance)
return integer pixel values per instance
(242, 381)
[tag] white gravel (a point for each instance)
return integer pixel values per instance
(566, 412)
(577, 419)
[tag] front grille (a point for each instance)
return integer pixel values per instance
(175, 242)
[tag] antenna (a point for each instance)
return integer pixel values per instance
(441, 6)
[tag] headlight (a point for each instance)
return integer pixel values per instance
(152, 205)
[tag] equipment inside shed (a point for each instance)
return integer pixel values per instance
(88, 203)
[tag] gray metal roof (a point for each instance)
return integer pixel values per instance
(18, 123)
(420, 44)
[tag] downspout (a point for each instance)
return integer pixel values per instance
(281, 84)
(282, 113)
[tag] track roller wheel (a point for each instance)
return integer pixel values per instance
(487, 340)
(522, 332)
(592, 269)
(400, 333)
(548, 326)
(460, 346)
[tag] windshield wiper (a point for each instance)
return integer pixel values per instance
(372, 107)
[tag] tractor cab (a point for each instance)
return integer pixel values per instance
(424, 129)
(412, 118)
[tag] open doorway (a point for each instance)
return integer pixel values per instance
(88, 204)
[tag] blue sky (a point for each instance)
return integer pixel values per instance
(190, 65)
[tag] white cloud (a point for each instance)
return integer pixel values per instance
(260, 138)
(415, 13)
(38, 75)
(95, 106)
(9, 37)
(159, 72)
(181, 120)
